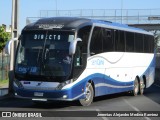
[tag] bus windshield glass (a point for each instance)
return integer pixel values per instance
(44, 54)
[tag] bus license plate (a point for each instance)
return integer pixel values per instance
(38, 94)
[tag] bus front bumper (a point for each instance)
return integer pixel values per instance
(45, 95)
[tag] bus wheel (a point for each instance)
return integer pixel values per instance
(141, 87)
(89, 93)
(136, 87)
(38, 102)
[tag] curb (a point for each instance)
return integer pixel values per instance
(6, 96)
(3, 91)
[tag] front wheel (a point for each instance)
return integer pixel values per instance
(89, 93)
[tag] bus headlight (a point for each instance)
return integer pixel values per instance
(61, 85)
(18, 84)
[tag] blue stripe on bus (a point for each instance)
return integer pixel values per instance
(106, 85)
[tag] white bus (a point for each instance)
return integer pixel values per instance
(65, 58)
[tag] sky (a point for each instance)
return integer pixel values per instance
(31, 8)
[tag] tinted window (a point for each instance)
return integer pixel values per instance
(105, 40)
(83, 33)
(146, 44)
(96, 41)
(119, 41)
(108, 41)
(129, 42)
(138, 42)
(152, 44)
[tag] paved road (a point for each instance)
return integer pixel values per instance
(150, 101)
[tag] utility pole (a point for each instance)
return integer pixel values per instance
(56, 8)
(15, 11)
(14, 34)
(121, 11)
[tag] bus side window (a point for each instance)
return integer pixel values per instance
(81, 49)
(138, 42)
(96, 45)
(108, 41)
(148, 44)
(130, 41)
(119, 41)
(152, 44)
(83, 33)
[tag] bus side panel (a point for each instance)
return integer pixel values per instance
(105, 84)
(113, 74)
(150, 73)
(118, 71)
(110, 86)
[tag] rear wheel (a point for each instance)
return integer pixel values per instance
(89, 93)
(136, 87)
(141, 87)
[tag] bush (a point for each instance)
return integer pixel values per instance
(4, 37)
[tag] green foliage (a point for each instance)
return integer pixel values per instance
(4, 83)
(4, 37)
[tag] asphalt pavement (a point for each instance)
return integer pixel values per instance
(121, 102)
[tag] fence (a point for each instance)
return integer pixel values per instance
(4, 66)
(125, 16)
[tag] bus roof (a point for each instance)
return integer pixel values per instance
(64, 23)
(73, 23)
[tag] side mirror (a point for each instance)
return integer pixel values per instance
(72, 47)
(7, 48)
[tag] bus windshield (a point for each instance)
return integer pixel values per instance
(44, 54)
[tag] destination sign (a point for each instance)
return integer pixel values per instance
(47, 37)
(50, 26)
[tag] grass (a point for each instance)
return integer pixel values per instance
(4, 83)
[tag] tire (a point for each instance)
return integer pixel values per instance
(89, 95)
(141, 87)
(38, 102)
(135, 90)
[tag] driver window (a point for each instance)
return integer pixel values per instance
(81, 48)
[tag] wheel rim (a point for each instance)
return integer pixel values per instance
(136, 87)
(88, 93)
(142, 88)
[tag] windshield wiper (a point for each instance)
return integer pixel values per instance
(43, 55)
(44, 47)
(38, 57)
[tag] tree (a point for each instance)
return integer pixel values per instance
(156, 40)
(4, 37)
